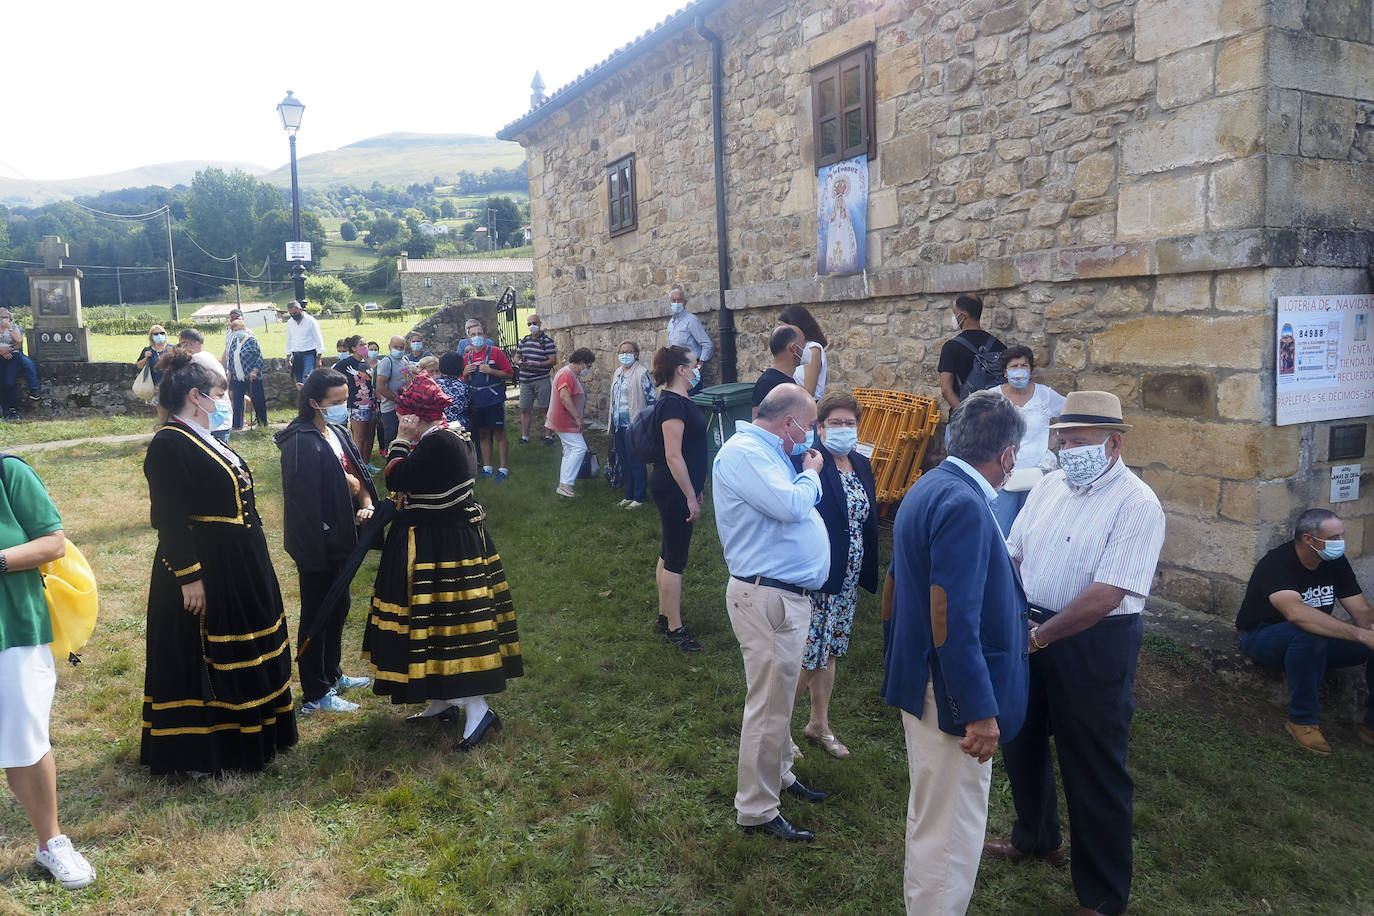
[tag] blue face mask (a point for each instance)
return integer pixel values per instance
(1018, 378)
(159, 338)
(397, 354)
(239, 335)
(696, 376)
(627, 359)
(336, 413)
(841, 440)
(415, 346)
(801, 448)
(1333, 550)
(675, 308)
(371, 354)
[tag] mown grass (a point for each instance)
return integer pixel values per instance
(124, 348)
(610, 790)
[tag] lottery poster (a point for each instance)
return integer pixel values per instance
(1324, 368)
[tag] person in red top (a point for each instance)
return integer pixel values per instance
(485, 369)
(565, 416)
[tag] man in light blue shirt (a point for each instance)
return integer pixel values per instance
(777, 551)
(686, 330)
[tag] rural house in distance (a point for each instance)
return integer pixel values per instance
(1133, 185)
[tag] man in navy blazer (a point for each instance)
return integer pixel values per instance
(957, 662)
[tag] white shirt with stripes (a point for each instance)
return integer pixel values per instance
(1066, 538)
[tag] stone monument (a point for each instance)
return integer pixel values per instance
(55, 294)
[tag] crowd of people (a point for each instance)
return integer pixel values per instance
(1012, 605)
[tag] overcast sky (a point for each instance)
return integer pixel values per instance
(98, 87)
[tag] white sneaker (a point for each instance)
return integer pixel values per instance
(624, 502)
(330, 702)
(349, 683)
(633, 504)
(68, 866)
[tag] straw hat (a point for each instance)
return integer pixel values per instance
(1091, 408)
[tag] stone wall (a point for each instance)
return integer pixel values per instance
(443, 288)
(443, 330)
(1130, 183)
(97, 389)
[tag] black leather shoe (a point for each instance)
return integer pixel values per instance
(778, 827)
(490, 722)
(448, 716)
(801, 790)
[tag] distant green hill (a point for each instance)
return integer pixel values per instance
(392, 159)
(17, 192)
(400, 159)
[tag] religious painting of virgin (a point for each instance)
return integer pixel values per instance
(841, 217)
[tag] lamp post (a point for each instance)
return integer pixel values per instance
(291, 111)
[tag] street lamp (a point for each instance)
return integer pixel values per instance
(291, 111)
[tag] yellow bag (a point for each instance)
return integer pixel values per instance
(70, 590)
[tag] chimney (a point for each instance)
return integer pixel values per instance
(401, 261)
(537, 97)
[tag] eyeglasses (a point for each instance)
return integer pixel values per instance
(840, 424)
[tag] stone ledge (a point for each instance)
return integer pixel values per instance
(1213, 641)
(1237, 249)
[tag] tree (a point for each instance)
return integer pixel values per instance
(447, 209)
(327, 291)
(419, 245)
(503, 217)
(347, 231)
(384, 229)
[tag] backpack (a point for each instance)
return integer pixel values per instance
(488, 393)
(646, 435)
(72, 597)
(987, 367)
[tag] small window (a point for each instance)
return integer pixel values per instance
(429, 281)
(448, 300)
(842, 108)
(622, 212)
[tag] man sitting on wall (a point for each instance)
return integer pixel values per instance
(1286, 621)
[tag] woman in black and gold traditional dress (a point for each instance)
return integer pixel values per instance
(441, 626)
(217, 692)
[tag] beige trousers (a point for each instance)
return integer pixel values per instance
(946, 816)
(771, 626)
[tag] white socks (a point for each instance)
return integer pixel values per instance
(476, 711)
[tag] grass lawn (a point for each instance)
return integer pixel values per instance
(124, 348)
(610, 790)
(341, 254)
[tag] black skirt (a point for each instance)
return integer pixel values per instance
(441, 625)
(217, 692)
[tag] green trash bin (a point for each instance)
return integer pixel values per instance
(721, 406)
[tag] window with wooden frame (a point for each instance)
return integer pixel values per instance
(622, 211)
(842, 107)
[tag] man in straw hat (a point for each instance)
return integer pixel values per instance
(1087, 543)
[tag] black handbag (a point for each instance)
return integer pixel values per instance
(615, 474)
(591, 466)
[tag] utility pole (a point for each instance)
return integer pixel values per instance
(238, 293)
(119, 287)
(171, 265)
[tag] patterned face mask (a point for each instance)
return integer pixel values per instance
(1085, 464)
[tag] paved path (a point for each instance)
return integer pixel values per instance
(29, 447)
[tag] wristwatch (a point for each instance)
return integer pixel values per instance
(4, 565)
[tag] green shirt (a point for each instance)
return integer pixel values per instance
(26, 513)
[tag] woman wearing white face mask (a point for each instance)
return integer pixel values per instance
(1039, 404)
(814, 371)
(329, 496)
(850, 511)
(217, 692)
(565, 416)
(631, 391)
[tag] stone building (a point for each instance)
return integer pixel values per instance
(437, 281)
(1131, 184)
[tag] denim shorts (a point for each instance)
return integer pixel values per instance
(362, 414)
